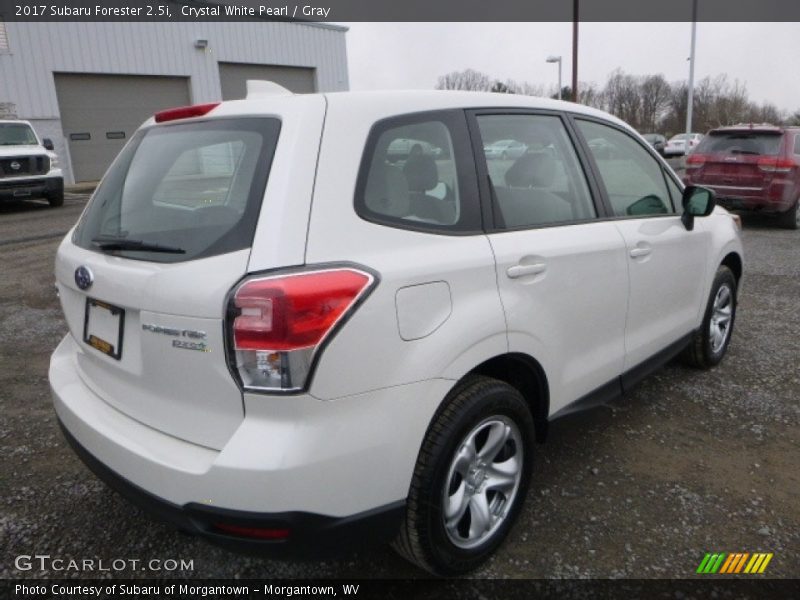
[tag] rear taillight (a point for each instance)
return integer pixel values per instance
(773, 164)
(694, 161)
(279, 323)
(185, 112)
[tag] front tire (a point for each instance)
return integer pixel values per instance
(470, 480)
(709, 344)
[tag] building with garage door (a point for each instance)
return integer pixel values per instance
(88, 86)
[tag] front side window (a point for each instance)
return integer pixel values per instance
(534, 172)
(183, 191)
(633, 178)
(415, 175)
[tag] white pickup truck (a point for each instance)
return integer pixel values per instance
(28, 165)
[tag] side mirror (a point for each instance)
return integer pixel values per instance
(697, 202)
(48, 144)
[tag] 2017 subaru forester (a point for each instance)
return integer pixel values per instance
(284, 332)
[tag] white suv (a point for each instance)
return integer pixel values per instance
(284, 334)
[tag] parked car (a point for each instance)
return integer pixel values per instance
(401, 149)
(28, 165)
(505, 149)
(683, 143)
(657, 141)
(327, 353)
(752, 168)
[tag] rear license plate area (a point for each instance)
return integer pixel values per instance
(103, 327)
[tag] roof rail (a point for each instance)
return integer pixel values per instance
(259, 87)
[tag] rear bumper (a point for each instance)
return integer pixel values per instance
(308, 534)
(777, 197)
(33, 187)
(326, 470)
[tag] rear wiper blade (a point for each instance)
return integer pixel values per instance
(105, 242)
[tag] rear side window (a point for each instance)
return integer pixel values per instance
(740, 142)
(415, 174)
(633, 178)
(193, 189)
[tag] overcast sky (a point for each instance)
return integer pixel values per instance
(763, 56)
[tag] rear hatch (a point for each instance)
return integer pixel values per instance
(144, 277)
(737, 162)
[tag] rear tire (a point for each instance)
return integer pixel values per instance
(710, 342)
(791, 218)
(470, 480)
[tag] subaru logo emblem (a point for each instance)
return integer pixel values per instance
(15, 165)
(84, 277)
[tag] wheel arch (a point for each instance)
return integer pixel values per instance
(733, 261)
(527, 375)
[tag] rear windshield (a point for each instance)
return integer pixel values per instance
(740, 142)
(183, 191)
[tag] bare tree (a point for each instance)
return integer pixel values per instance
(654, 91)
(647, 102)
(793, 119)
(623, 97)
(469, 79)
(509, 86)
(590, 95)
(674, 120)
(733, 105)
(765, 113)
(531, 89)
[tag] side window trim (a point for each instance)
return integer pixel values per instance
(456, 124)
(486, 192)
(573, 117)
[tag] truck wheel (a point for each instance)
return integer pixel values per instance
(470, 480)
(56, 199)
(710, 342)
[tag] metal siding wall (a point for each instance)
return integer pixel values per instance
(36, 50)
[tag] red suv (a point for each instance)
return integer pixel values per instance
(753, 168)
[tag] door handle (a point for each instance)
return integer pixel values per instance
(641, 251)
(518, 271)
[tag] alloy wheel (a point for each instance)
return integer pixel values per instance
(482, 482)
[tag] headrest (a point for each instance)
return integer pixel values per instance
(421, 172)
(532, 170)
(386, 192)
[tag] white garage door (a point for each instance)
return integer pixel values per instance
(100, 112)
(233, 78)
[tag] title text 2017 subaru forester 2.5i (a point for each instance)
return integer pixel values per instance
(282, 335)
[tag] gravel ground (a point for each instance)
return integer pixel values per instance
(690, 462)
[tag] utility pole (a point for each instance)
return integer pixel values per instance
(575, 50)
(690, 99)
